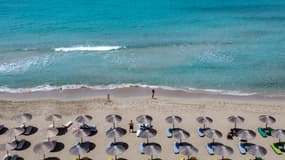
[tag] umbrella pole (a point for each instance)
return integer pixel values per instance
(173, 125)
(15, 138)
(44, 156)
(114, 139)
(53, 124)
(79, 157)
(266, 125)
(235, 124)
(115, 157)
(188, 157)
(81, 139)
(113, 124)
(7, 153)
(151, 157)
(204, 125)
(147, 140)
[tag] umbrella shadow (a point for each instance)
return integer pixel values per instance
(91, 146)
(52, 158)
(125, 145)
(61, 131)
(58, 147)
(30, 130)
(3, 130)
(23, 145)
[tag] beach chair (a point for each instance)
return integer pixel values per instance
(110, 158)
(200, 132)
(262, 132)
(169, 133)
(276, 149)
(68, 124)
(175, 147)
(28, 130)
(141, 147)
(210, 149)
(93, 128)
(138, 133)
(21, 145)
(241, 148)
(182, 158)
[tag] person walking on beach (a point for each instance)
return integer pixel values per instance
(153, 92)
(131, 126)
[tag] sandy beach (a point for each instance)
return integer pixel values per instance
(129, 107)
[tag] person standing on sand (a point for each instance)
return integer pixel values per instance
(131, 126)
(153, 92)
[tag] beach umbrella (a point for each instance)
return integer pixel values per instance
(8, 146)
(152, 149)
(223, 150)
(267, 119)
(116, 149)
(235, 119)
(256, 151)
(14, 132)
(246, 134)
(203, 120)
(44, 148)
(50, 132)
(148, 133)
(113, 118)
(23, 118)
(53, 118)
(83, 119)
(187, 149)
(144, 119)
(81, 133)
(213, 133)
(173, 119)
(115, 133)
(180, 134)
(278, 133)
(78, 150)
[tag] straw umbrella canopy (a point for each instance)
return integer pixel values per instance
(81, 133)
(44, 148)
(246, 134)
(257, 151)
(235, 119)
(203, 120)
(213, 133)
(53, 118)
(173, 119)
(50, 132)
(278, 133)
(180, 134)
(8, 146)
(116, 149)
(113, 118)
(148, 133)
(83, 119)
(144, 119)
(187, 149)
(116, 133)
(78, 150)
(267, 119)
(152, 149)
(223, 150)
(14, 132)
(23, 118)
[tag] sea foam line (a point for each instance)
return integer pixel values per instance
(47, 87)
(87, 48)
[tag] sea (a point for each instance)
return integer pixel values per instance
(224, 46)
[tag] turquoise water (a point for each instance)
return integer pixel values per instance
(224, 45)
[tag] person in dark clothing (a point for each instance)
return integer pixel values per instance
(153, 92)
(131, 126)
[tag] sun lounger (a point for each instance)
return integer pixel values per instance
(21, 144)
(169, 133)
(175, 147)
(14, 157)
(93, 128)
(141, 147)
(241, 148)
(262, 132)
(210, 149)
(200, 132)
(110, 158)
(28, 130)
(139, 132)
(68, 124)
(276, 149)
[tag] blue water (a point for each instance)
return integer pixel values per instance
(205, 44)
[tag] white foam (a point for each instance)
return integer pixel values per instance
(87, 48)
(47, 87)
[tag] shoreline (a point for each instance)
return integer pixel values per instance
(133, 91)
